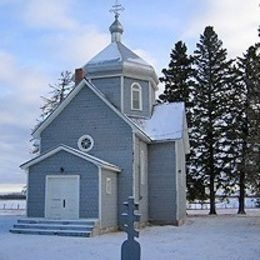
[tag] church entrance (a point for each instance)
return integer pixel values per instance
(62, 197)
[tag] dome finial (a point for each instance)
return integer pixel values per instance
(117, 8)
(116, 27)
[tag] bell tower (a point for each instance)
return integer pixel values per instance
(126, 80)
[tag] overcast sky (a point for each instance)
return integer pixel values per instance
(41, 38)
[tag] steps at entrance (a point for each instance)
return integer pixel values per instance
(79, 228)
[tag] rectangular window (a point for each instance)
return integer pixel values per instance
(136, 97)
(108, 186)
(136, 100)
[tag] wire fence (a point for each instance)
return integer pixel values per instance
(230, 203)
(12, 205)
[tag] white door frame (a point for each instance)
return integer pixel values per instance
(48, 177)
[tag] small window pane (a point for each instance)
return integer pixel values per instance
(108, 186)
(136, 99)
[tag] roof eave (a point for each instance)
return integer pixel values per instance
(73, 93)
(59, 148)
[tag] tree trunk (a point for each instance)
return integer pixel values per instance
(212, 194)
(241, 199)
(242, 192)
(212, 210)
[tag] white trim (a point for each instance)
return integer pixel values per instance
(176, 179)
(47, 177)
(133, 166)
(127, 75)
(186, 138)
(142, 167)
(27, 191)
(105, 76)
(80, 145)
(150, 98)
(136, 87)
(122, 93)
(100, 196)
(45, 197)
(75, 152)
(72, 94)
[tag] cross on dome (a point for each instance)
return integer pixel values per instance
(117, 8)
(116, 28)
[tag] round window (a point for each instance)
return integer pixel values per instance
(85, 143)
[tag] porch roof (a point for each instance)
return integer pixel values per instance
(98, 162)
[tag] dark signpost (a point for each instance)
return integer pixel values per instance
(131, 249)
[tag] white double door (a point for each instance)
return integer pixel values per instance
(62, 197)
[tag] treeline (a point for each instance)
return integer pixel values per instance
(222, 98)
(13, 197)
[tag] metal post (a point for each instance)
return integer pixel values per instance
(131, 249)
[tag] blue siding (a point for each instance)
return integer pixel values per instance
(141, 191)
(145, 97)
(111, 88)
(87, 114)
(162, 183)
(109, 201)
(181, 169)
(72, 165)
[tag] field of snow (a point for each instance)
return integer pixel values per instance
(206, 237)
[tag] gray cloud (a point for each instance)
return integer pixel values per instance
(19, 107)
(235, 21)
(52, 14)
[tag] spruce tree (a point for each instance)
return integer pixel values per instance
(249, 66)
(179, 85)
(178, 77)
(235, 137)
(210, 97)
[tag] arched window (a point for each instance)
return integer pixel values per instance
(136, 97)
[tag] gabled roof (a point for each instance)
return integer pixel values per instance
(99, 94)
(167, 122)
(85, 156)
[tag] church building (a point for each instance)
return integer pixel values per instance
(108, 140)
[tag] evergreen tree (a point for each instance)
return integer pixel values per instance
(179, 85)
(209, 122)
(250, 157)
(178, 77)
(235, 136)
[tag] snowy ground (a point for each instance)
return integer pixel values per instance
(206, 237)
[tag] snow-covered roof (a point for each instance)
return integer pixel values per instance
(117, 59)
(167, 122)
(75, 152)
(115, 52)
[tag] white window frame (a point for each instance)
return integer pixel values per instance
(142, 168)
(80, 140)
(108, 185)
(137, 87)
